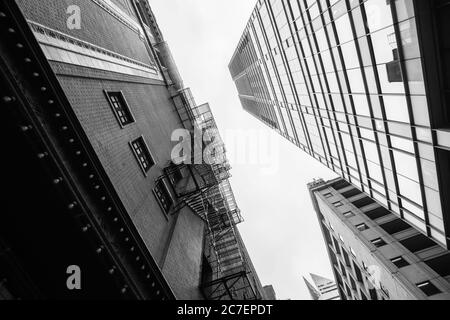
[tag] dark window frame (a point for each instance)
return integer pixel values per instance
(400, 262)
(163, 196)
(428, 288)
(378, 242)
(124, 106)
(146, 152)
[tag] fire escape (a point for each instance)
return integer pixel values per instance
(204, 187)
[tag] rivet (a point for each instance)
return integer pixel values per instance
(111, 271)
(109, 209)
(43, 89)
(157, 293)
(153, 284)
(51, 102)
(64, 128)
(85, 164)
(116, 219)
(57, 180)
(103, 198)
(138, 258)
(57, 115)
(97, 187)
(99, 250)
(127, 239)
(124, 289)
(148, 276)
(2, 15)
(78, 153)
(25, 128)
(85, 228)
(72, 205)
(121, 230)
(143, 267)
(71, 140)
(19, 45)
(132, 249)
(42, 155)
(7, 99)
(35, 74)
(91, 176)
(27, 60)
(11, 30)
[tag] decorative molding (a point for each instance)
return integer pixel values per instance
(59, 46)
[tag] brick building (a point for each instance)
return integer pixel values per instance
(90, 182)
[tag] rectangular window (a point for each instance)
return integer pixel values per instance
(328, 195)
(120, 107)
(440, 265)
(395, 226)
(349, 214)
(142, 154)
(362, 202)
(362, 227)
(400, 262)
(378, 242)
(428, 288)
(418, 243)
(163, 195)
(338, 204)
(377, 213)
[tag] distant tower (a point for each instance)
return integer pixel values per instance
(323, 288)
(315, 295)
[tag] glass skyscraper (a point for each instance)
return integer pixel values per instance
(360, 86)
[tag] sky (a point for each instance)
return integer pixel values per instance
(269, 174)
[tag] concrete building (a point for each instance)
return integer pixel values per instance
(91, 96)
(374, 254)
(270, 292)
(361, 86)
(323, 288)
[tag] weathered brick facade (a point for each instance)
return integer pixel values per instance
(176, 243)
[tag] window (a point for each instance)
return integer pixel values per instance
(338, 204)
(395, 226)
(328, 195)
(163, 196)
(362, 202)
(377, 213)
(336, 246)
(441, 265)
(340, 184)
(358, 273)
(378, 242)
(362, 227)
(400, 262)
(363, 296)
(120, 107)
(428, 288)
(349, 214)
(351, 193)
(346, 258)
(142, 154)
(418, 243)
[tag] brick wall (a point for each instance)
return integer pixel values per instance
(156, 118)
(97, 25)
